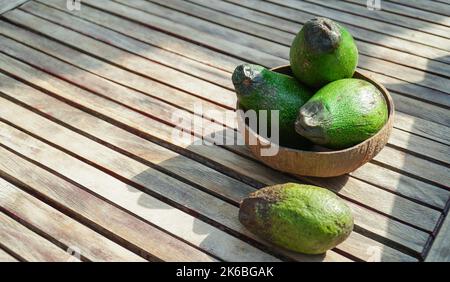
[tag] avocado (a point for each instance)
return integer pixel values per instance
(301, 218)
(342, 114)
(323, 51)
(258, 88)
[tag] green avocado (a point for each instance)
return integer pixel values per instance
(323, 51)
(258, 88)
(302, 218)
(342, 114)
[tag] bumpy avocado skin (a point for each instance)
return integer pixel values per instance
(258, 88)
(302, 218)
(323, 51)
(342, 114)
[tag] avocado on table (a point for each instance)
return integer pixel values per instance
(323, 51)
(302, 218)
(342, 114)
(258, 88)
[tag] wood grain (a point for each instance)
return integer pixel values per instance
(116, 74)
(137, 202)
(28, 245)
(137, 174)
(273, 32)
(147, 68)
(361, 247)
(440, 251)
(393, 84)
(6, 5)
(87, 103)
(98, 214)
(391, 30)
(6, 257)
(400, 44)
(59, 228)
(320, 164)
(382, 15)
(281, 51)
(139, 32)
(415, 13)
(414, 238)
(434, 7)
(53, 65)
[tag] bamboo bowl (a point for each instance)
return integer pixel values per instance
(321, 163)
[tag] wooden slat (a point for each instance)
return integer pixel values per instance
(281, 51)
(175, 221)
(234, 161)
(151, 69)
(154, 181)
(72, 62)
(5, 257)
(150, 103)
(373, 251)
(394, 84)
(132, 80)
(440, 250)
(434, 7)
(27, 245)
(59, 228)
(382, 15)
(6, 5)
(286, 38)
(423, 128)
(146, 18)
(182, 47)
(379, 227)
(154, 52)
(262, 173)
(361, 247)
(420, 145)
(52, 64)
(149, 241)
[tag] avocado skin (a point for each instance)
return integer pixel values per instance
(323, 51)
(301, 218)
(258, 88)
(342, 114)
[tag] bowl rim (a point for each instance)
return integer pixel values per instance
(383, 90)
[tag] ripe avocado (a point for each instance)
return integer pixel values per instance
(302, 218)
(323, 51)
(258, 88)
(342, 114)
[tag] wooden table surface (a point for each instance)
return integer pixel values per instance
(90, 166)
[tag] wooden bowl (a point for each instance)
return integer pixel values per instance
(321, 163)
